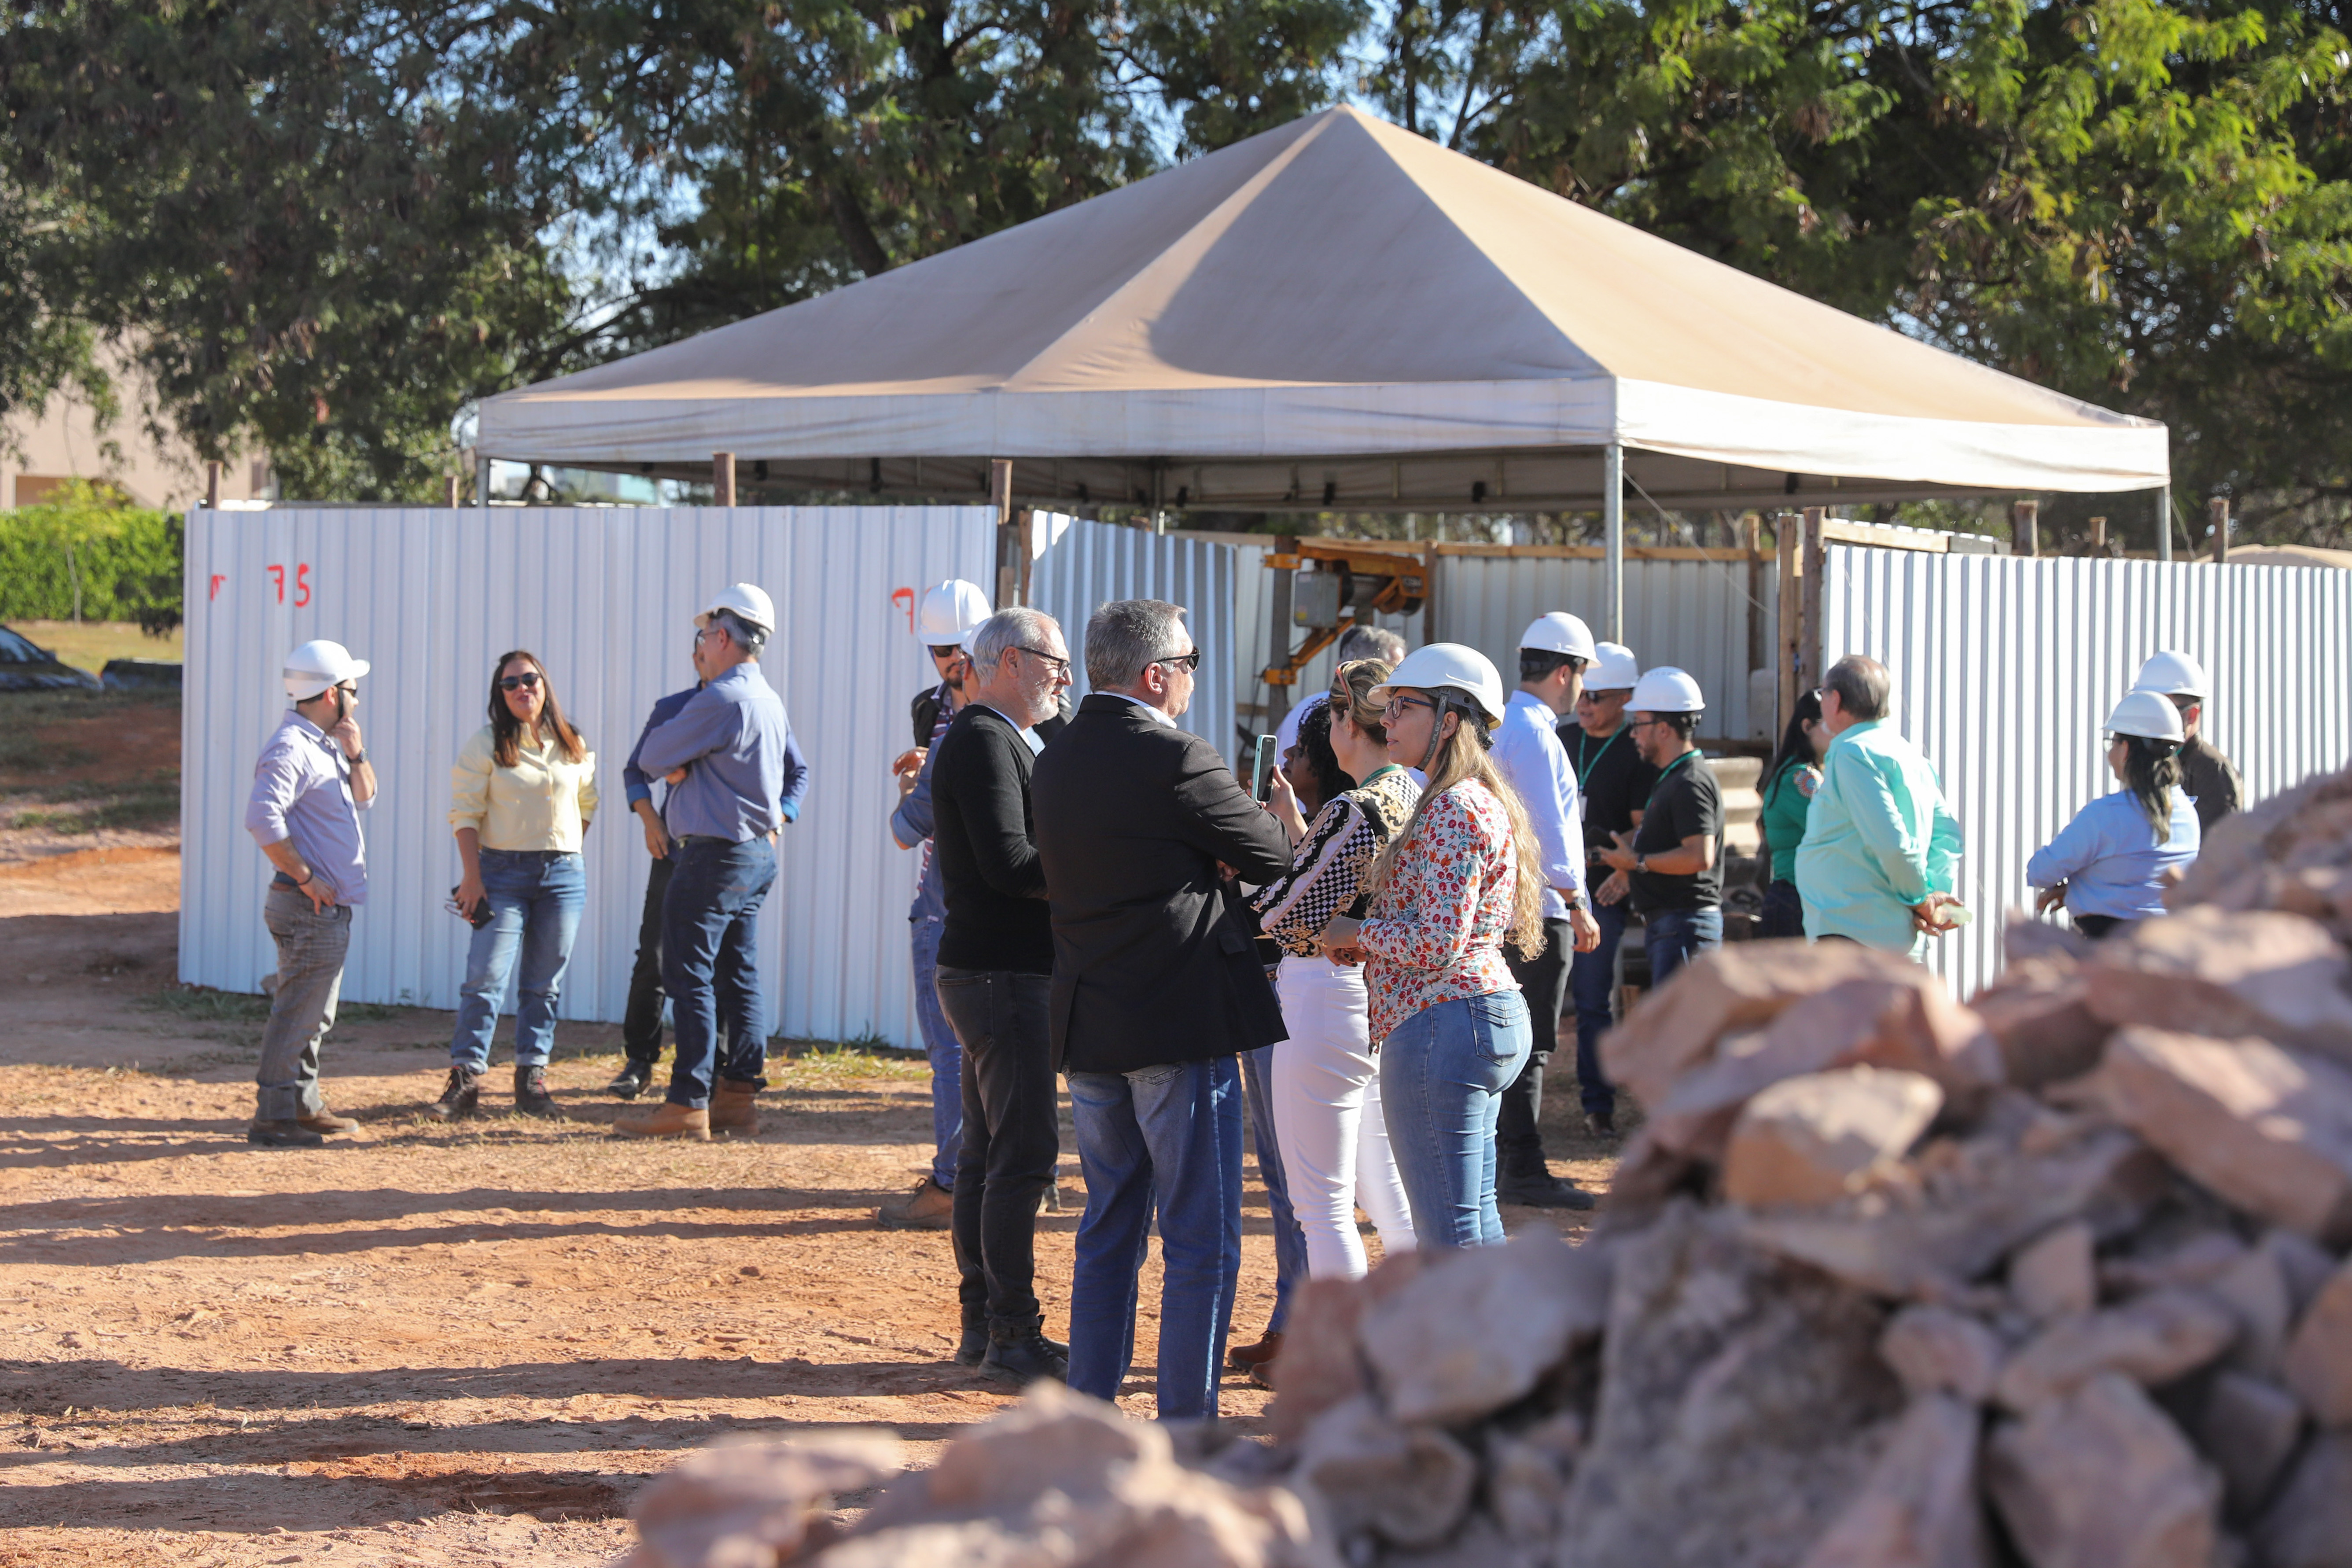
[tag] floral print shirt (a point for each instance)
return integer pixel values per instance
(1435, 932)
(1329, 867)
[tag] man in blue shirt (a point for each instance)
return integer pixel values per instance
(640, 1020)
(308, 788)
(737, 777)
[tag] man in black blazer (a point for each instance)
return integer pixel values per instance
(1142, 830)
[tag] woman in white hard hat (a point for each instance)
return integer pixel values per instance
(2111, 865)
(523, 794)
(1456, 883)
(1324, 1086)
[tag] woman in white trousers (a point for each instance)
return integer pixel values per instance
(1326, 1084)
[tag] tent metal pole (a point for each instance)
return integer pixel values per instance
(1613, 522)
(482, 483)
(2164, 524)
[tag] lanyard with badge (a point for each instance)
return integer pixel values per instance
(1584, 770)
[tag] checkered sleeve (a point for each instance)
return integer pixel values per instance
(1325, 870)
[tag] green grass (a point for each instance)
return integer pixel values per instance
(88, 644)
(821, 1063)
(149, 801)
(203, 1004)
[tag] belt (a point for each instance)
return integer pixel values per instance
(707, 839)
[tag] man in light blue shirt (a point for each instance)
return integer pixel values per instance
(1553, 653)
(1881, 848)
(737, 778)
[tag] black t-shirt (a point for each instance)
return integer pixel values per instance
(1615, 780)
(1686, 804)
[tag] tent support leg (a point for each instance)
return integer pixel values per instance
(482, 483)
(2164, 524)
(1613, 522)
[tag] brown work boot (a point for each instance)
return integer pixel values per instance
(731, 1108)
(326, 1121)
(1240, 1358)
(929, 1206)
(665, 1120)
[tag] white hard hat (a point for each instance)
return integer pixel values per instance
(1666, 690)
(2172, 675)
(748, 600)
(949, 611)
(1613, 667)
(2149, 715)
(1559, 632)
(315, 665)
(1444, 666)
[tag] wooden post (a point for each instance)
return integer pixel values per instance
(1000, 495)
(1278, 640)
(1809, 647)
(722, 478)
(1787, 612)
(2025, 528)
(211, 487)
(1751, 533)
(2098, 536)
(2217, 513)
(1024, 521)
(450, 482)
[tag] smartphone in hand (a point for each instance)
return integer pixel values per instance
(1262, 761)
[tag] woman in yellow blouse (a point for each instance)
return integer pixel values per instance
(523, 793)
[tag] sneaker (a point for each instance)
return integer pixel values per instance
(1019, 1353)
(631, 1081)
(665, 1120)
(459, 1096)
(1240, 1358)
(281, 1134)
(327, 1122)
(1542, 1192)
(929, 1206)
(531, 1096)
(731, 1108)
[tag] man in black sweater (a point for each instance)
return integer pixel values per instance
(1157, 985)
(996, 970)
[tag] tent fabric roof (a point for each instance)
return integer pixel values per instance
(1334, 305)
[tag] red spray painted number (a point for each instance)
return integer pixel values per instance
(277, 581)
(904, 598)
(218, 579)
(278, 576)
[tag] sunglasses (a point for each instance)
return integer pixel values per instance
(945, 650)
(1060, 666)
(1185, 661)
(519, 682)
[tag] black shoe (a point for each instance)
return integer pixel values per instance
(1601, 1123)
(1019, 1353)
(973, 1348)
(281, 1134)
(1542, 1192)
(531, 1098)
(631, 1081)
(459, 1096)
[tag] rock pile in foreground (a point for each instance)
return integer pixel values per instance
(1884, 1281)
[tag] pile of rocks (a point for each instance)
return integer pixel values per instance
(1884, 1281)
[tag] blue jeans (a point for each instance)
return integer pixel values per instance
(1784, 912)
(536, 896)
(940, 1045)
(1443, 1073)
(1592, 982)
(710, 963)
(1289, 1241)
(1169, 1138)
(1674, 937)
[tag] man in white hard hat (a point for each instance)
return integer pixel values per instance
(2207, 776)
(1612, 783)
(1354, 643)
(308, 788)
(1672, 864)
(1553, 653)
(739, 778)
(1881, 848)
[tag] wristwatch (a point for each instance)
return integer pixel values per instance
(1641, 864)
(358, 760)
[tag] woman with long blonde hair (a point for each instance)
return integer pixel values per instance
(1449, 891)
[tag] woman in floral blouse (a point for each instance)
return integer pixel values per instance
(1448, 892)
(1325, 1088)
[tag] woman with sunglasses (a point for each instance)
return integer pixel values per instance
(1456, 882)
(2111, 865)
(523, 793)
(1325, 1087)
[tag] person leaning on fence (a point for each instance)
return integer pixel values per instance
(996, 983)
(1456, 883)
(1611, 782)
(2210, 778)
(312, 781)
(2111, 865)
(522, 795)
(1881, 846)
(1157, 986)
(739, 779)
(1791, 781)
(641, 1016)
(1669, 867)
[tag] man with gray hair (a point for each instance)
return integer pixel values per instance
(995, 974)
(1881, 845)
(1157, 987)
(1356, 642)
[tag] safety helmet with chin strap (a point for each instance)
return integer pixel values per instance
(1457, 679)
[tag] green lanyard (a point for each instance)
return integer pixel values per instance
(1664, 775)
(1583, 767)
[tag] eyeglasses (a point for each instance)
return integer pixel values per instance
(517, 683)
(1061, 666)
(1397, 706)
(1185, 661)
(946, 650)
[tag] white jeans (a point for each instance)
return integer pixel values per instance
(1325, 1089)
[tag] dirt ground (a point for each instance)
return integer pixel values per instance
(425, 1344)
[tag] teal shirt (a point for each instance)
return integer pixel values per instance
(1878, 839)
(1787, 800)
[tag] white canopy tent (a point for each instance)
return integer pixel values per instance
(1335, 314)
